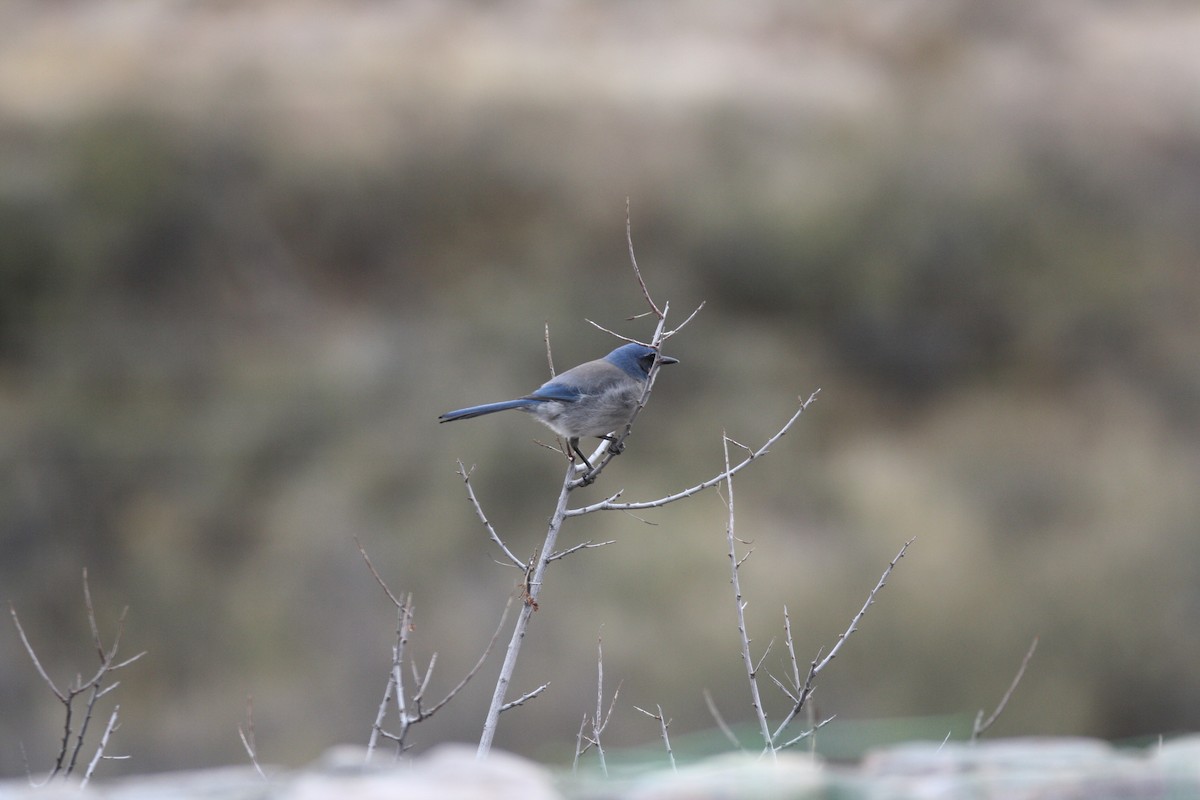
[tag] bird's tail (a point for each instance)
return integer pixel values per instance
(489, 408)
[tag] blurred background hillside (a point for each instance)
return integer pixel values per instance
(250, 251)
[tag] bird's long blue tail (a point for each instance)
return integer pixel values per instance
(489, 408)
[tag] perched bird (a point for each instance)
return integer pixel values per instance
(593, 399)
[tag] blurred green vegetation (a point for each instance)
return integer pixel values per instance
(250, 251)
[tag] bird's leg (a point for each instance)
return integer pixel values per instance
(575, 446)
(615, 445)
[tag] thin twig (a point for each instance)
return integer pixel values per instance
(375, 573)
(633, 260)
(611, 332)
(523, 698)
(495, 537)
(600, 719)
(247, 736)
(721, 724)
(680, 326)
(978, 728)
(588, 545)
(810, 732)
(33, 655)
(580, 747)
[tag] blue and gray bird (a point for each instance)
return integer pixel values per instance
(593, 399)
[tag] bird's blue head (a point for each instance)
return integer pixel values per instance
(636, 359)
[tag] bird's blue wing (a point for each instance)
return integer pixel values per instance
(556, 391)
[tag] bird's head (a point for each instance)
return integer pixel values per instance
(637, 359)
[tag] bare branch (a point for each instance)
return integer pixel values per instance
(549, 354)
(91, 615)
(478, 663)
(611, 332)
(395, 688)
(521, 700)
(495, 537)
(33, 655)
(807, 733)
(664, 723)
(600, 719)
(580, 747)
(588, 545)
(108, 731)
(247, 736)
(423, 683)
(979, 727)
(746, 557)
(778, 683)
(679, 327)
(815, 668)
(609, 505)
(378, 578)
(532, 587)
(862, 611)
(633, 260)
(755, 698)
(766, 652)
(721, 724)
(791, 648)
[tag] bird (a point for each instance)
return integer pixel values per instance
(592, 399)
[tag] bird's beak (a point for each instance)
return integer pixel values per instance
(667, 359)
